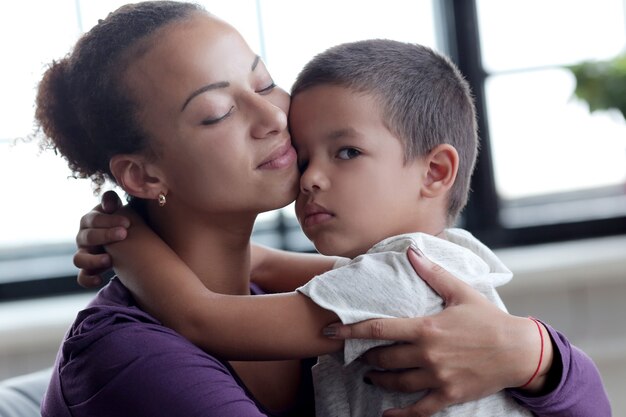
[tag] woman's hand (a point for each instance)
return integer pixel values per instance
(98, 228)
(468, 351)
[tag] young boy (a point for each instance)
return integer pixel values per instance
(386, 139)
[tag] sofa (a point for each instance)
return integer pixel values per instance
(21, 396)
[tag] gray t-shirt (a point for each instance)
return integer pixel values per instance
(382, 283)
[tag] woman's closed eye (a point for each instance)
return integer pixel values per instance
(268, 89)
(214, 120)
(348, 153)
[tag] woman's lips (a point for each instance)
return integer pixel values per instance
(283, 157)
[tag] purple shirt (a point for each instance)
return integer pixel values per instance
(119, 361)
(580, 393)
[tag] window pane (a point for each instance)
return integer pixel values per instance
(25, 52)
(295, 31)
(46, 204)
(518, 34)
(545, 141)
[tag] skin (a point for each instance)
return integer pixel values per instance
(220, 227)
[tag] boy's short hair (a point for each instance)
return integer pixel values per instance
(425, 99)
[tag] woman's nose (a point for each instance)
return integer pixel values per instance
(269, 117)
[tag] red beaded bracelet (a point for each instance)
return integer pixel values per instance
(540, 354)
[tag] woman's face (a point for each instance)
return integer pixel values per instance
(218, 123)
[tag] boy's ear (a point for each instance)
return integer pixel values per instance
(443, 164)
(138, 177)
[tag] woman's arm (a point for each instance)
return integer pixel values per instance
(575, 389)
(281, 326)
(473, 349)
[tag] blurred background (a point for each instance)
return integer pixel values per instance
(549, 192)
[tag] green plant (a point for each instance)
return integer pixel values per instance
(602, 84)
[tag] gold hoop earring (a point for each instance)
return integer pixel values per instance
(162, 199)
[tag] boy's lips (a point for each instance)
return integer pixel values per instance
(281, 157)
(313, 214)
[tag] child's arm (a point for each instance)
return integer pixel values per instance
(281, 326)
(277, 270)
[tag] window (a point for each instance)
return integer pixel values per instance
(549, 169)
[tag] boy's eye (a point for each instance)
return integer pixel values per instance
(267, 89)
(348, 153)
(212, 121)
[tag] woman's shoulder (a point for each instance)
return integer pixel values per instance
(113, 328)
(146, 370)
(115, 353)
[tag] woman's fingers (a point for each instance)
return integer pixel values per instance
(397, 329)
(414, 380)
(411, 380)
(430, 404)
(397, 356)
(450, 288)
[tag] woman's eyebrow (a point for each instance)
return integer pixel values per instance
(208, 87)
(255, 62)
(221, 84)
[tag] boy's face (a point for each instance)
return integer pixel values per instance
(355, 188)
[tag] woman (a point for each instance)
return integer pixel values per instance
(203, 128)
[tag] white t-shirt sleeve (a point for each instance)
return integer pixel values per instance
(375, 285)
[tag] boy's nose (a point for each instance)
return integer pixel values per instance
(313, 179)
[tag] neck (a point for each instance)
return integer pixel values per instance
(215, 247)
(433, 225)
(430, 218)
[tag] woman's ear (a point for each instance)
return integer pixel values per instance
(137, 176)
(443, 164)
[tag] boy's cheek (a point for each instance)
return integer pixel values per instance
(300, 202)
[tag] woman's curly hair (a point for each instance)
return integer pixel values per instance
(83, 109)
